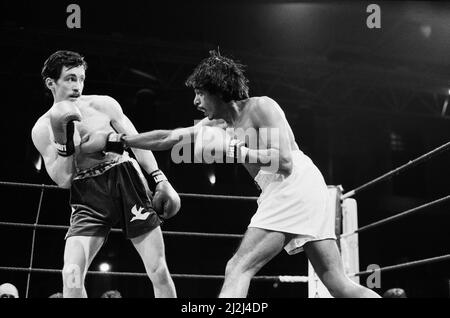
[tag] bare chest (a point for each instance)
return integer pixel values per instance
(93, 119)
(246, 132)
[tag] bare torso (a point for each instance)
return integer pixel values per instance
(247, 124)
(96, 116)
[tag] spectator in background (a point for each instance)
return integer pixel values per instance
(111, 294)
(395, 293)
(8, 290)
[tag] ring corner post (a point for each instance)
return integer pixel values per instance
(349, 244)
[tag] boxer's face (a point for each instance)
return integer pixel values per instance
(69, 85)
(206, 103)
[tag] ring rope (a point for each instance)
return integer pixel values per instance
(115, 230)
(30, 185)
(405, 265)
(279, 278)
(391, 173)
(293, 279)
(218, 196)
(397, 216)
(288, 279)
(186, 195)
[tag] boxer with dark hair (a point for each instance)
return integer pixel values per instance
(292, 208)
(106, 188)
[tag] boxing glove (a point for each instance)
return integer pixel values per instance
(62, 117)
(166, 200)
(236, 150)
(103, 141)
(115, 143)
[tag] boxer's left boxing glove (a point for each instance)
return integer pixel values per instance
(103, 141)
(115, 143)
(166, 200)
(236, 150)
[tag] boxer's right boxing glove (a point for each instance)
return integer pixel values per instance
(62, 117)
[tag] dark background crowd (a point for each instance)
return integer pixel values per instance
(360, 101)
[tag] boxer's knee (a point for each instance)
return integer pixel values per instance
(231, 266)
(72, 276)
(73, 280)
(239, 265)
(338, 284)
(158, 272)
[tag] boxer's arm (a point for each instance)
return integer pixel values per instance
(144, 157)
(165, 139)
(165, 201)
(277, 155)
(60, 169)
(160, 139)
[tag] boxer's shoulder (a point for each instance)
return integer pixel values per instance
(44, 118)
(41, 124)
(102, 103)
(40, 133)
(263, 108)
(98, 101)
(261, 103)
(255, 105)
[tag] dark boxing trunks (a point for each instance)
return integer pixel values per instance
(110, 194)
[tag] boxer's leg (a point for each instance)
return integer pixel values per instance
(150, 247)
(257, 248)
(327, 262)
(78, 255)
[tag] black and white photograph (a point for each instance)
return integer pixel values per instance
(230, 154)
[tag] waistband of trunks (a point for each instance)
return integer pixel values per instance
(102, 167)
(263, 178)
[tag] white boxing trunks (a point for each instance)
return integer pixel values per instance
(297, 204)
